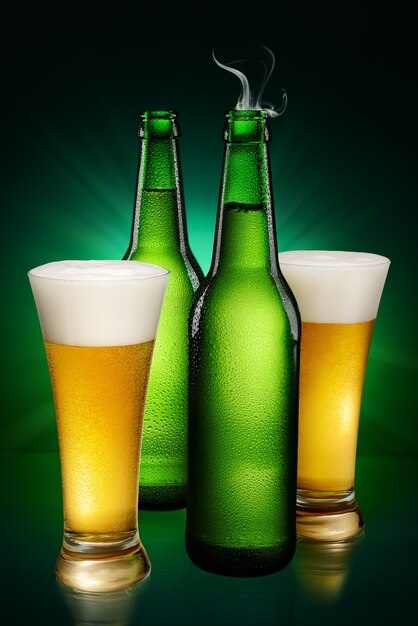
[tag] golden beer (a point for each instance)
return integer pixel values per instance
(99, 322)
(99, 395)
(338, 295)
(332, 366)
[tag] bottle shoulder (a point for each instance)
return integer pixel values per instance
(241, 296)
(242, 284)
(182, 266)
(224, 319)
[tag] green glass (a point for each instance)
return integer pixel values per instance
(159, 236)
(244, 352)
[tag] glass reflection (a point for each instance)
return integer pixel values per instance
(323, 567)
(115, 608)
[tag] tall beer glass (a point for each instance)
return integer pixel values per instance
(338, 294)
(99, 321)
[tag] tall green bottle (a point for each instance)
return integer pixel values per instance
(159, 236)
(244, 353)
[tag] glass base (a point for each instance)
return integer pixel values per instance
(162, 498)
(84, 545)
(324, 500)
(102, 565)
(327, 516)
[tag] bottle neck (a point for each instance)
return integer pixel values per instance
(159, 220)
(158, 164)
(246, 237)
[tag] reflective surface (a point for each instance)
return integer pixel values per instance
(367, 581)
(91, 609)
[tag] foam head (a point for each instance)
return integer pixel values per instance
(98, 303)
(335, 287)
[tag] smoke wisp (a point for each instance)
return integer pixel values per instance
(246, 100)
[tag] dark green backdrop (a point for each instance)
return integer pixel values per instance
(344, 168)
(343, 172)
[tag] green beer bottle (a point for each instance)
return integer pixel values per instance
(159, 236)
(244, 352)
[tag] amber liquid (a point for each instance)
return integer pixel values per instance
(99, 395)
(332, 367)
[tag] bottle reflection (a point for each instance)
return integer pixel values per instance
(114, 608)
(261, 601)
(323, 567)
(178, 592)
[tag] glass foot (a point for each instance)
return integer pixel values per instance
(99, 545)
(327, 515)
(102, 574)
(329, 525)
(331, 501)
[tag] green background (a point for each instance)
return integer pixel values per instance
(342, 168)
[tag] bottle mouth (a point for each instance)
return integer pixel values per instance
(158, 125)
(246, 126)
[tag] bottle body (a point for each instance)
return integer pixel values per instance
(244, 342)
(160, 237)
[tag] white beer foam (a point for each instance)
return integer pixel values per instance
(98, 303)
(333, 287)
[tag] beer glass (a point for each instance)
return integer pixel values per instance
(338, 294)
(99, 321)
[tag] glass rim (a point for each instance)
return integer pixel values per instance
(161, 272)
(379, 260)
